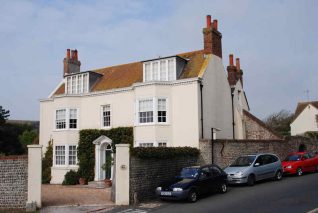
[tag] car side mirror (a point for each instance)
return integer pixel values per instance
(257, 164)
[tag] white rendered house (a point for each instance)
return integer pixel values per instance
(170, 101)
(305, 118)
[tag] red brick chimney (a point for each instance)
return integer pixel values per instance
(239, 72)
(231, 72)
(71, 62)
(212, 38)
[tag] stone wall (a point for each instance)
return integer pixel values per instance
(226, 151)
(13, 182)
(147, 174)
(255, 129)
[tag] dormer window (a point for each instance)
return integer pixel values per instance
(160, 70)
(77, 84)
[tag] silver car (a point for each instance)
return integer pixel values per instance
(251, 168)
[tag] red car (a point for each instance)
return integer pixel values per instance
(300, 162)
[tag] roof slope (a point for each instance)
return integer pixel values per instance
(126, 75)
(302, 105)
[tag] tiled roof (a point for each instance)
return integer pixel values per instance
(127, 74)
(302, 105)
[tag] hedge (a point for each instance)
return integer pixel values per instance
(164, 152)
(86, 148)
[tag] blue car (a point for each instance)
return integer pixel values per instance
(193, 182)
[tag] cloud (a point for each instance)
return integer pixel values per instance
(276, 41)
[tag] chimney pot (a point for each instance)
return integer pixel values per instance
(72, 54)
(75, 54)
(208, 21)
(68, 53)
(238, 66)
(231, 59)
(215, 24)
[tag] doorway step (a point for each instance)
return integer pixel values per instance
(97, 184)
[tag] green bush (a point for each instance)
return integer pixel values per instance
(312, 134)
(164, 152)
(86, 148)
(71, 178)
(47, 163)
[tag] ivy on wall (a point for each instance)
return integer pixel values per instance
(86, 148)
(164, 152)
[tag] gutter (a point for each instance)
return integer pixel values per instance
(201, 88)
(233, 123)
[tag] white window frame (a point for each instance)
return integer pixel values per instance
(66, 156)
(54, 155)
(77, 88)
(67, 117)
(102, 116)
(155, 112)
(55, 120)
(154, 143)
(167, 73)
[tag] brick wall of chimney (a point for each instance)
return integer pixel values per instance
(71, 63)
(212, 38)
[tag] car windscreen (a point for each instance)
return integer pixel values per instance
(189, 173)
(293, 158)
(243, 161)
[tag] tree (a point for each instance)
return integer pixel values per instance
(28, 137)
(280, 122)
(4, 114)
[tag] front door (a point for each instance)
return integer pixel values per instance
(108, 164)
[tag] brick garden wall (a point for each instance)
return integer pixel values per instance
(226, 151)
(13, 182)
(147, 174)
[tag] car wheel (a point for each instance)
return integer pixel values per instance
(299, 172)
(317, 168)
(192, 197)
(279, 175)
(223, 188)
(251, 180)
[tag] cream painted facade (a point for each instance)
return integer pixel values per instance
(239, 104)
(183, 107)
(306, 121)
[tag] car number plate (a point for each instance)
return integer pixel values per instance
(166, 193)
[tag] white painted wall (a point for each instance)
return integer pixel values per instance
(239, 103)
(34, 174)
(182, 114)
(122, 174)
(306, 121)
(217, 110)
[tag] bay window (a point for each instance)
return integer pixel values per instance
(151, 110)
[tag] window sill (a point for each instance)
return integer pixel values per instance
(61, 130)
(106, 127)
(152, 124)
(64, 167)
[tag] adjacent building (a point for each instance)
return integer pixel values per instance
(305, 118)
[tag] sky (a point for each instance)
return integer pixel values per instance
(276, 42)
